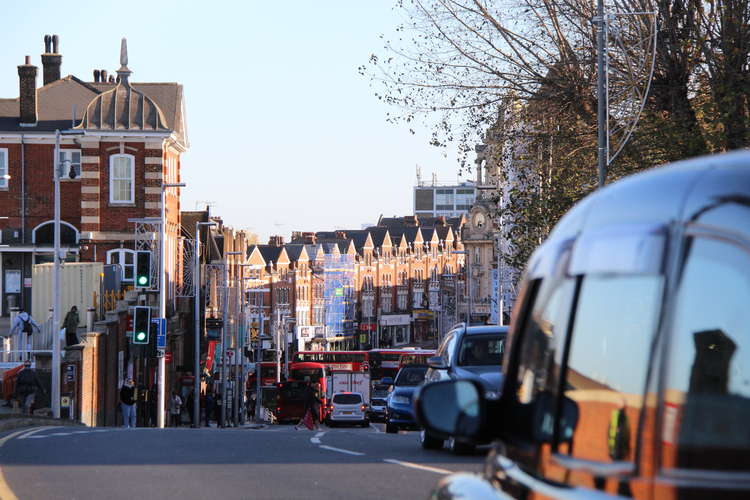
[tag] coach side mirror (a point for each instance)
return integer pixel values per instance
(451, 408)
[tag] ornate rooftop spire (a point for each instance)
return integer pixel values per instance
(124, 72)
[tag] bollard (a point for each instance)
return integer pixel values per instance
(90, 319)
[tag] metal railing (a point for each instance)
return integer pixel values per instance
(15, 347)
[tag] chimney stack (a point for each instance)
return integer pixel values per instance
(27, 93)
(51, 59)
(276, 241)
(97, 74)
(104, 75)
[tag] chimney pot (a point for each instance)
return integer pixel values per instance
(27, 93)
(96, 75)
(51, 61)
(104, 75)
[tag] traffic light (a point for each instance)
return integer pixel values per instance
(143, 269)
(141, 324)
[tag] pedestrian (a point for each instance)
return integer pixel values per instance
(25, 324)
(312, 406)
(210, 404)
(70, 323)
(127, 403)
(175, 408)
(27, 384)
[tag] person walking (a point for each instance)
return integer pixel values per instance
(312, 405)
(70, 323)
(25, 324)
(127, 403)
(175, 408)
(27, 383)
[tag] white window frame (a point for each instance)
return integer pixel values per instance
(4, 167)
(67, 154)
(121, 252)
(112, 180)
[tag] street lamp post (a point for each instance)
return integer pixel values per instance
(225, 370)
(55, 392)
(197, 337)
(161, 396)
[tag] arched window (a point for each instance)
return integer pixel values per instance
(125, 258)
(122, 179)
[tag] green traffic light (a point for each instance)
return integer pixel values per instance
(140, 336)
(142, 280)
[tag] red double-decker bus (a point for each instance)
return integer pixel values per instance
(348, 361)
(387, 362)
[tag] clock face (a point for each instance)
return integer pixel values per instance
(479, 220)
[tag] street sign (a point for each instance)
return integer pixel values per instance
(65, 401)
(161, 334)
(160, 353)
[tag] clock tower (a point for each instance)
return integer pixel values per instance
(479, 242)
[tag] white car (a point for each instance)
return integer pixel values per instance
(347, 407)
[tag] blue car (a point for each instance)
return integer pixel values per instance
(399, 413)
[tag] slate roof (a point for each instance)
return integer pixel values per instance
(294, 251)
(57, 101)
(269, 253)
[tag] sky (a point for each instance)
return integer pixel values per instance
(285, 134)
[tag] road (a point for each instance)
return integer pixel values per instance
(276, 462)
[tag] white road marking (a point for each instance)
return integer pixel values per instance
(348, 452)
(27, 434)
(416, 466)
(374, 428)
(316, 438)
(320, 434)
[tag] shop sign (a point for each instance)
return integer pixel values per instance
(395, 320)
(423, 314)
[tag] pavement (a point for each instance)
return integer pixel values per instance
(271, 462)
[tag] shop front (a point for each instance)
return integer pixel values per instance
(424, 320)
(394, 330)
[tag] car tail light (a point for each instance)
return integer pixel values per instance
(363, 407)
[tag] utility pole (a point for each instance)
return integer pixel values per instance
(223, 371)
(277, 330)
(258, 357)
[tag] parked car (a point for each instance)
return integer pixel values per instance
(470, 353)
(399, 409)
(347, 407)
(627, 368)
(378, 403)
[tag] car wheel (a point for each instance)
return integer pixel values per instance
(391, 428)
(429, 442)
(460, 448)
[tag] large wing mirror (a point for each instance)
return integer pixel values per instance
(386, 381)
(437, 362)
(452, 408)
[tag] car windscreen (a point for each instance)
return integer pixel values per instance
(410, 376)
(481, 350)
(379, 393)
(347, 399)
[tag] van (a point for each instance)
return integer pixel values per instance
(627, 369)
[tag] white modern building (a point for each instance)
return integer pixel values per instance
(435, 199)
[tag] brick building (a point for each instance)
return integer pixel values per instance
(120, 140)
(406, 283)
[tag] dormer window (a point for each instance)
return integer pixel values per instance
(121, 179)
(70, 164)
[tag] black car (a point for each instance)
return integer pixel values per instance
(627, 371)
(469, 353)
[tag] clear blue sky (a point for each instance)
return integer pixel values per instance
(285, 134)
